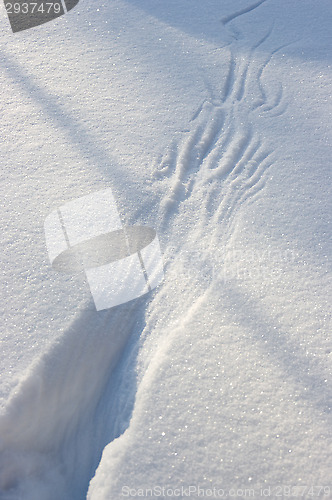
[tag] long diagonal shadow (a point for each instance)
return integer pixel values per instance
(300, 369)
(84, 142)
(81, 139)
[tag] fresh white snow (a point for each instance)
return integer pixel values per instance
(211, 123)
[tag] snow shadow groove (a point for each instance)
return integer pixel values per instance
(69, 406)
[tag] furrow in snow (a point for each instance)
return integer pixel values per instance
(52, 413)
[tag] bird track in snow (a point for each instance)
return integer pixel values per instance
(221, 152)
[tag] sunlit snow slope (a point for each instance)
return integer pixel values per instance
(211, 122)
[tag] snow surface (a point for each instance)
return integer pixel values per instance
(211, 122)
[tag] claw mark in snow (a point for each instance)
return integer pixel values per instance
(222, 155)
(225, 20)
